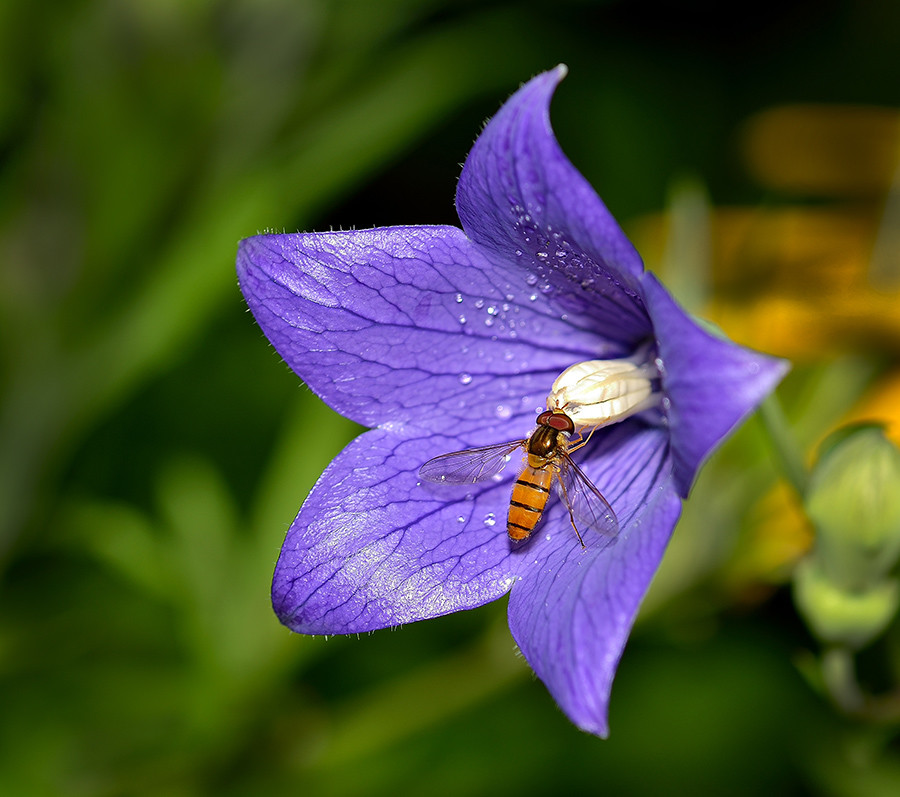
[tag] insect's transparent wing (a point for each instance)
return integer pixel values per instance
(586, 503)
(469, 466)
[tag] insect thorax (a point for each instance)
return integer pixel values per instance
(544, 442)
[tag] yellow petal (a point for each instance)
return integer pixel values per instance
(824, 150)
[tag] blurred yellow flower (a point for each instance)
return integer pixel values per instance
(779, 535)
(805, 280)
(823, 150)
(881, 404)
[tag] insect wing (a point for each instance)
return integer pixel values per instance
(469, 466)
(586, 502)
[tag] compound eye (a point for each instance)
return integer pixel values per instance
(556, 420)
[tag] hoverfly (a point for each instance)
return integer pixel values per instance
(547, 464)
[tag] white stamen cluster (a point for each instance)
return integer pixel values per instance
(598, 393)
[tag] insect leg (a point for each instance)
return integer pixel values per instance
(579, 443)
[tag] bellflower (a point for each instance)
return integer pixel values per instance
(440, 339)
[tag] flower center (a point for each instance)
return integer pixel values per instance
(598, 393)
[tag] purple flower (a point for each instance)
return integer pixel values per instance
(440, 339)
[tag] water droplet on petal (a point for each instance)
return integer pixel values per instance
(459, 298)
(503, 411)
(462, 319)
(490, 519)
(479, 303)
(465, 379)
(531, 279)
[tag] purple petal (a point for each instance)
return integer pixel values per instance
(571, 610)
(521, 199)
(711, 384)
(446, 339)
(411, 325)
(372, 548)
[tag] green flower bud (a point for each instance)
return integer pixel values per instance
(854, 503)
(843, 617)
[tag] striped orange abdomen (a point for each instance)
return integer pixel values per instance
(529, 497)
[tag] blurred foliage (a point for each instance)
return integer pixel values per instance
(154, 449)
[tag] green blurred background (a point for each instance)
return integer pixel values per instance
(155, 449)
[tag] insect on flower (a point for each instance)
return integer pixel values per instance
(370, 320)
(547, 464)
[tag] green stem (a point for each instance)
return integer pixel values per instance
(839, 678)
(788, 452)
